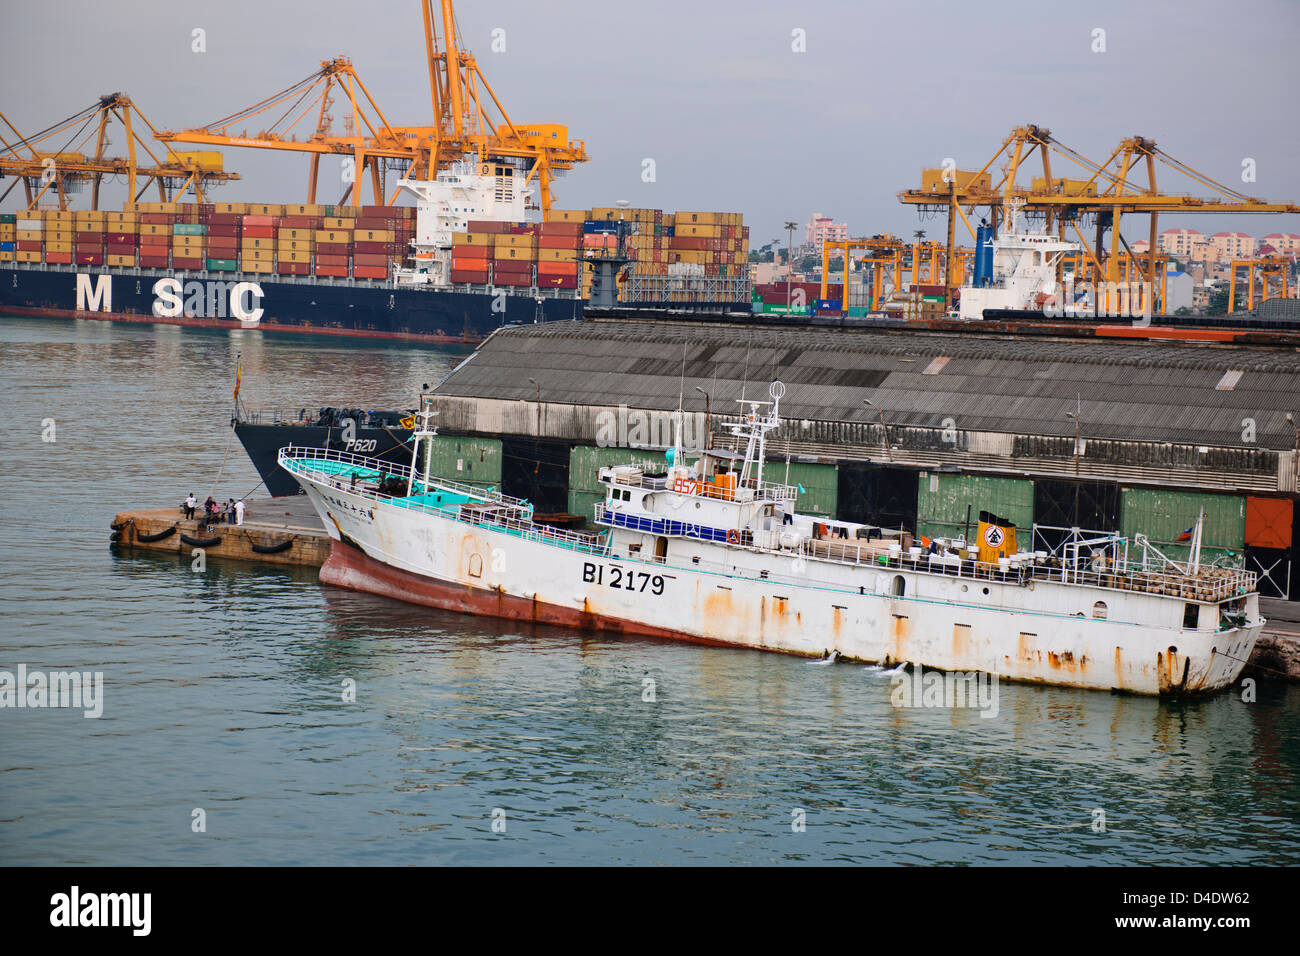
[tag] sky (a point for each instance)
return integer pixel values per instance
(732, 115)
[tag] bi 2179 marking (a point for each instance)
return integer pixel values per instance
(627, 579)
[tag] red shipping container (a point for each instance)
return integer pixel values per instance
(59, 258)
(30, 245)
(379, 248)
(328, 260)
(89, 258)
(333, 248)
(155, 242)
(337, 272)
(153, 262)
(227, 248)
(121, 240)
(89, 237)
(301, 222)
(369, 259)
(294, 268)
(258, 221)
(181, 262)
(224, 219)
(557, 282)
(369, 272)
(372, 223)
(559, 242)
(512, 280)
(207, 208)
(469, 275)
(258, 232)
(156, 218)
(214, 230)
(560, 229)
(379, 212)
(511, 268)
(488, 227)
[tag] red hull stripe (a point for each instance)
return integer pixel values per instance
(349, 567)
(263, 325)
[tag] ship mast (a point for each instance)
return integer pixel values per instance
(424, 429)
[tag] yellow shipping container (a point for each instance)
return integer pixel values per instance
(257, 255)
(64, 245)
(123, 217)
(557, 255)
(298, 234)
(372, 235)
(31, 215)
(85, 226)
(334, 222)
(568, 215)
(687, 218)
(57, 215)
(189, 242)
(296, 255)
(514, 242)
(259, 266)
(336, 235)
(59, 235)
(25, 235)
(699, 231)
(27, 256)
(156, 229)
(294, 245)
(6, 256)
(115, 260)
(231, 208)
(471, 239)
(247, 244)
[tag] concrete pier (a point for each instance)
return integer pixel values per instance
(288, 525)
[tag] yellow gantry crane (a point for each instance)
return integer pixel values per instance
(1104, 191)
(468, 120)
(60, 159)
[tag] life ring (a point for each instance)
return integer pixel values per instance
(733, 536)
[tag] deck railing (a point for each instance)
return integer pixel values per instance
(513, 517)
(1209, 585)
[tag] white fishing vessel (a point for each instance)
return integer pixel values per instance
(713, 552)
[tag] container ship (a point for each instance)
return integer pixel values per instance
(460, 262)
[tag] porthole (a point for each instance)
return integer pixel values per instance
(964, 589)
(986, 590)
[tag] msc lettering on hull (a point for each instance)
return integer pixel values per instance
(209, 300)
(97, 299)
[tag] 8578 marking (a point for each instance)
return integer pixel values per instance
(628, 579)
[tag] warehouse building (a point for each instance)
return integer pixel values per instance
(955, 424)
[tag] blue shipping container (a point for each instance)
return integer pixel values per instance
(6, 247)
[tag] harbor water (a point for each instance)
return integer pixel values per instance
(229, 735)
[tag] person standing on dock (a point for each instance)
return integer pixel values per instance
(239, 511)
(229, 511)
(190, 504)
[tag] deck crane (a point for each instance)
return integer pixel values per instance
(59, 159)
(1105, 192)
(468, 120)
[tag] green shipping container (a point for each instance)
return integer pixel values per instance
(820, 484)
(8, 218)
(474, 461)
(1163, 515)
(585, 462)
(189, 229)
(221, 265)
(942, 501)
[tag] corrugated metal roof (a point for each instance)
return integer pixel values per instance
(1140, 391)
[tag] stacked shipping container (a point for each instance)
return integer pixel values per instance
(338, 241)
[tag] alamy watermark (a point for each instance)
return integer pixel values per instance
(1124, 300)
(649, 430)
(975, 690)
(64, 689)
